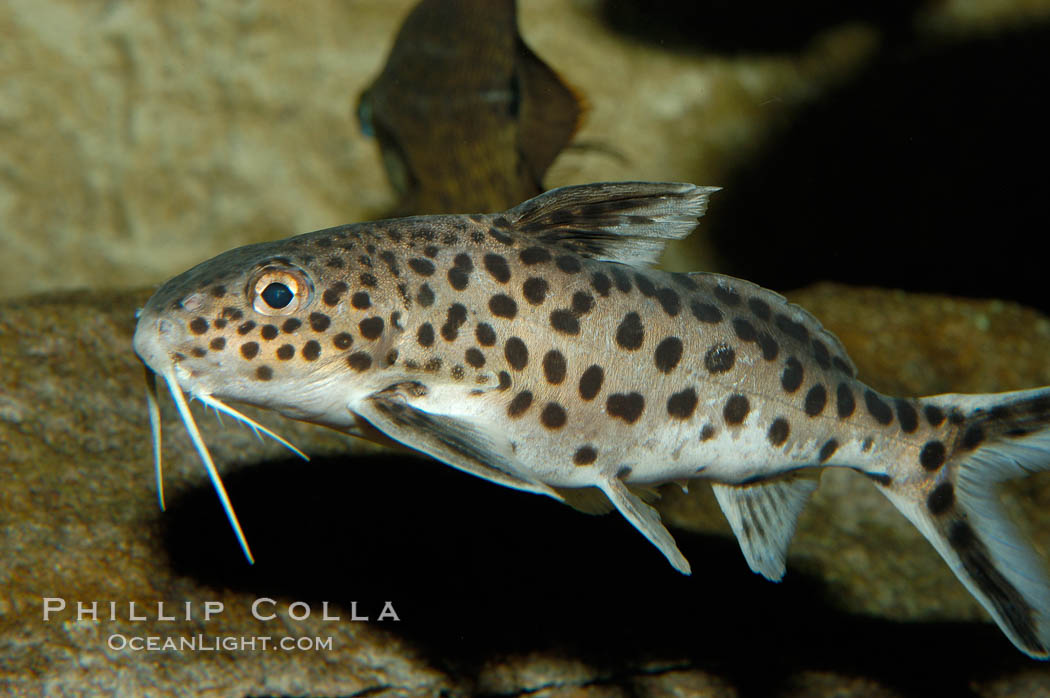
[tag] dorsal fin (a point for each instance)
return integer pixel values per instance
(628, 222)
(763, 517)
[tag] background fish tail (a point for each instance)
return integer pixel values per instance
(990, 438)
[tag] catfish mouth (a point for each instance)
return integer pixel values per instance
(145, 348)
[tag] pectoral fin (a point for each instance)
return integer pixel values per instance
(646, 519)
(763, 517)
(448, 438)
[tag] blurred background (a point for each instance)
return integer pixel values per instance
(897, 143)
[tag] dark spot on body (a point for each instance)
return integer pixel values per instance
(361, 300)
(432, 365)
(425, 296)
(736, 409)
(622, 281)
(630, 334)
(264, 373)
(250, 350)
(565, 322)
(568, 263)
(232, 314)
(625, 406)
(845, 403)
(431, 251)
(554, 366)
(820, 353)
(828, 450)
(423, 267)
(759, 308)
(291, 325)
(791, 377)
(485, 335)
(878, 409)
(907, 416)
(684, 281)
(198, 325)
(744, 330)
(778, 432)
(502, 305)
(367, 279)
(311, 350)
(681, 405)
(497, 267)
(342, 340)
(647, 288)
(474, 357)
(371, 328)
(504, 380)
(199, 352)
(553, 416)
(268, 332)
(591, 382)
(719, 358)
(934, 415)
(534, 255)
(972, 437)
(769, 346)
(815, 400)
(218, 291)
(359, 361)
(220, 323)
(601, 284)
(707, 432)
(217, 344)
(669, 301)
(519, 404)
(425, 335)
(534, 289)
(705, 312)
(458, 278)
(333, 293)
(501, 238)
(668, 353)
(285, 352)
(390, 260)
(456, 317)
(516, 353)
(585, 455)
(791, 327)
(727, 294)
(582, 302)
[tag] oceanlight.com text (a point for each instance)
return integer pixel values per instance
(213, 643)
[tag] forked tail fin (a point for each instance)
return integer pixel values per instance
(991, 438)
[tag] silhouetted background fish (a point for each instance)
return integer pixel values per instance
(467, 116)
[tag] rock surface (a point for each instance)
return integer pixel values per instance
(498, 592)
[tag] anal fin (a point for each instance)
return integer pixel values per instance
(763, 518)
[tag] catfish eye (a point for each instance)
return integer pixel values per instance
(277, 295)
(279, 291)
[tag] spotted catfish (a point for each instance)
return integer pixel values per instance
(536, 348)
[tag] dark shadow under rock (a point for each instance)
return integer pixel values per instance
(750, 26)
(926, 172)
